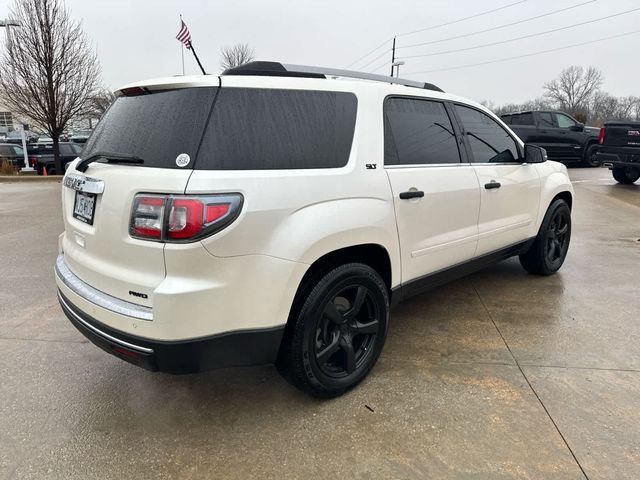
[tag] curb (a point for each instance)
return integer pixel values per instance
(30, 178)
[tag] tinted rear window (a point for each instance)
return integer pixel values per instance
(522, 119)
(418, 132)
(262, 129)
(156, 127)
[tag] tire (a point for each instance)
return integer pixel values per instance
(336, 330)
(589, 159)
(626, 175)
(550, 247)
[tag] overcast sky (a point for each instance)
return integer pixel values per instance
(136, 39)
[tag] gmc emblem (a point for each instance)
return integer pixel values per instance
(633, 133)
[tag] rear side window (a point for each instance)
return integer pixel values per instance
(264, 129)
(418, 132)
(546, 121)
(489, 142)
(156, 127)
(522, 119)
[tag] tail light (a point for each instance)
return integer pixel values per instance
(33, 161)
(601, 137)
(182, 218)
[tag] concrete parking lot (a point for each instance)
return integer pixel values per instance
(498, 375)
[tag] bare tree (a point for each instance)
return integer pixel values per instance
(48, 71)
(573, 90)
(236, 55)
(97, 104)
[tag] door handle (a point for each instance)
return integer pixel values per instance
(411, 194)
(492, 184)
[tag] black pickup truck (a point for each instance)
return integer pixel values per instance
(620, 150)
(564, 138)
(41, 156)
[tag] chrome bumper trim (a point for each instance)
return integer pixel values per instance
(99, 298)
(99, 332)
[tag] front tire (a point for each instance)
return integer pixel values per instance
(337, 332)
(550, 247)
(626, 175)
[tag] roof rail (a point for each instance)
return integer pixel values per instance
(276, 69)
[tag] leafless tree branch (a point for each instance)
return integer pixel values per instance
(236, 55)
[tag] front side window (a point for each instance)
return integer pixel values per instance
(564, 121)
(489, 142)
(418, 132)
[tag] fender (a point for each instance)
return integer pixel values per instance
(552, 184)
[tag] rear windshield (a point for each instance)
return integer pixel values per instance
(248, 129)
(156, 127)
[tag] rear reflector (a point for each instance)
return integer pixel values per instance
(182, 218)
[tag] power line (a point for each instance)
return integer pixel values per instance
(523, 36)
(437, 26)
(365, 56)
(486, 12)
(498, 27)
(375, 59)
(469, 65)
(386, 62)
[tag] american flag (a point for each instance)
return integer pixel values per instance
(184, 36)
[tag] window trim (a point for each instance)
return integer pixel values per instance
(462, 154)
(467, 145)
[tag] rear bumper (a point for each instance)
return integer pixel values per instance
(619, 157)
(231, 349)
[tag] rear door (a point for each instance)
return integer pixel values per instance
(436, 196)
(157, 127)
(509, 189)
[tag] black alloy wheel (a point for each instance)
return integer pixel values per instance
(346, 331)
(557, 238)
(336, 330)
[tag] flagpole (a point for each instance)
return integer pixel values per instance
(197, 59)
(182, 49)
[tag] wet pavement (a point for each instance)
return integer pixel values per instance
(499, 375)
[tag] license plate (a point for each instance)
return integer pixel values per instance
(84, 207)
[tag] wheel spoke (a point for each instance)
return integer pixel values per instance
(349, 354)
(358, 301)
(563, 230)
(332, 313)
(367, 327)
(326, 353)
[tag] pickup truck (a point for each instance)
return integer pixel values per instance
(564, 138)
(41, 156)
(620, 150)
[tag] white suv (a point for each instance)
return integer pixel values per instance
(274, 213)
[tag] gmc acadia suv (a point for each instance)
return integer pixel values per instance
(272, 214)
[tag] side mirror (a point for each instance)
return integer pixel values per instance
(534, 154)
(578, 127)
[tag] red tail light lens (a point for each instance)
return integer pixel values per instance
(601, 137)
(182, 218)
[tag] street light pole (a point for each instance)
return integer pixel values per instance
(7, 23)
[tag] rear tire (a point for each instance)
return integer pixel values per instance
(626, 175)
(589, 159)
(336, 331)
(550, 247)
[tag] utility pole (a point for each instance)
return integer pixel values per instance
(393, 55)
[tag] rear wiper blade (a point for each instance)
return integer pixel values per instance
(110, 157)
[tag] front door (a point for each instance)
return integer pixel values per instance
(436, 197)
(509, 189)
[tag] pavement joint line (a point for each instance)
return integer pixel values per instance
(570, 367)
(531, 386)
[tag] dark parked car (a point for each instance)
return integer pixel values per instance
(41, 156)
(13, 153)
(80, 136)
(620, 150)
(15, 137)
(564, 138)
